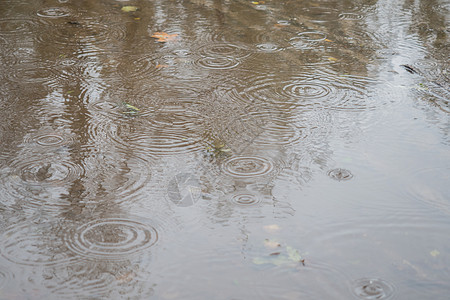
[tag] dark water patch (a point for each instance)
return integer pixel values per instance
(247, 166)
(140, 67)
(122, 176)
(111, 238)
(50, 170)
(86, 31)
(15, 27)
(372, 288)
(320, 14)
(32, 74)
(102, 279)
(36, 244)
(48, 137)
(221, 56)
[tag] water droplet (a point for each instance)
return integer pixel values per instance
(372, 289)
(245, 199)
(340, 174)
(53, 12)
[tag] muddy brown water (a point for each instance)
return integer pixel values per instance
(212, 149)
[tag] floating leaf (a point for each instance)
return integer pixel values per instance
(255, 2)
(159, 66)
(435, 253)
(164, 37)
(271, 244)
(331, 58)
(293, 254)
(129, 8)
(130, 109)
(327, 40)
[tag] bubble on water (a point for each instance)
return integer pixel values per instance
(111, 238)
(372, 288)
(247, 166)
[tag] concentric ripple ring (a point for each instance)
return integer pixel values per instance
(247, 166)
(111, 238)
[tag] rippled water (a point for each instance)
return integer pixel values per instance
(224, 149)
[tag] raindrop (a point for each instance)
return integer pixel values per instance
(372, 289)
(268, 47)
(111, 238)
(246, 199)
(247, 166)
(340, 174)
(53, 12)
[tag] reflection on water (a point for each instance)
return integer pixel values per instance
(224, 149)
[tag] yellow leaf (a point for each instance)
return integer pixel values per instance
(159, 66)
(331, 58)
(129, 8)
(435, 253)
(255, 2)
(327, 40)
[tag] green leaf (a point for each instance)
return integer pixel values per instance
(129, 8)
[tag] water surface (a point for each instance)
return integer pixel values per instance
(210, 149)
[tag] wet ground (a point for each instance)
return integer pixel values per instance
(230, 149)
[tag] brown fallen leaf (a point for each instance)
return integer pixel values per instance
(164, 37)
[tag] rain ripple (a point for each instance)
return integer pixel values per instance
(221, 56)
(311, 91)
(35, 244)
(53, 12)
(5, 277)
(372, 288)
(84, 32)
(247, 166)
(111, 238)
